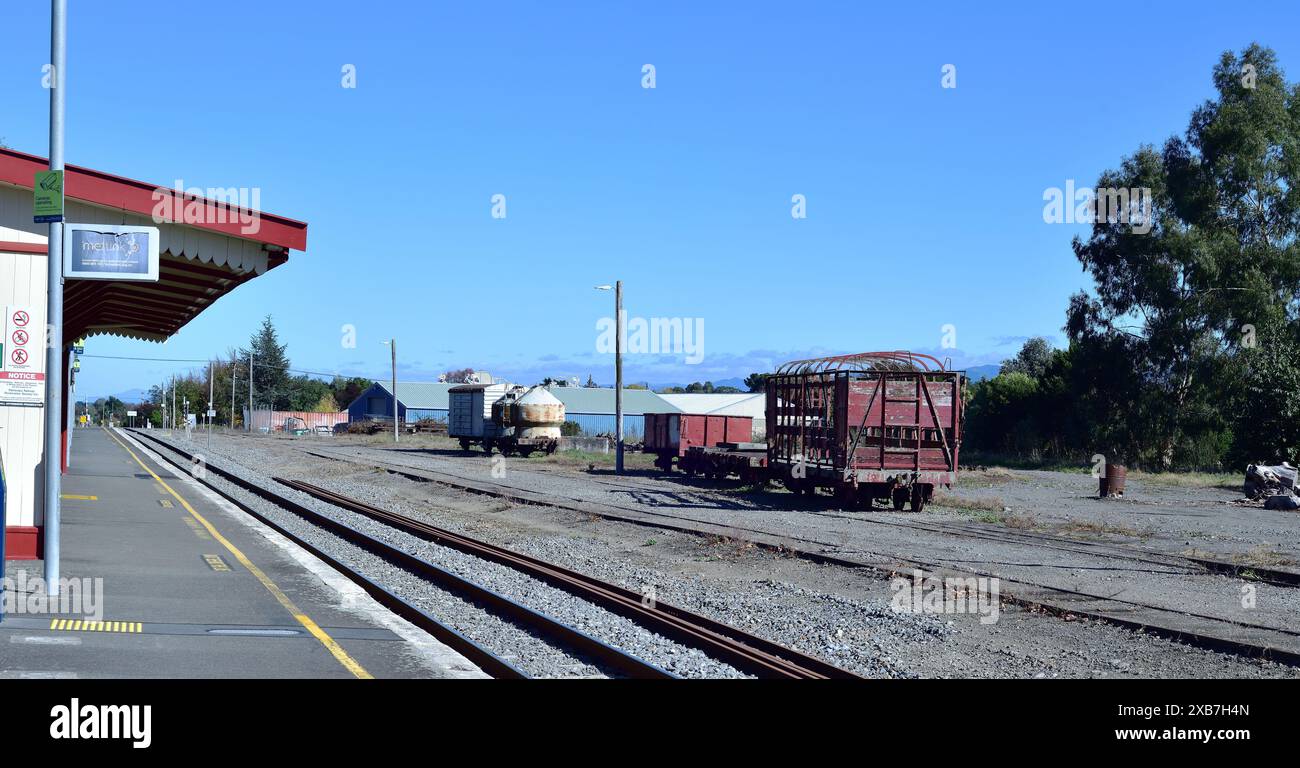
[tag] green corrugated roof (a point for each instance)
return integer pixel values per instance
(601, 400)
(420, 394)
(432, 395)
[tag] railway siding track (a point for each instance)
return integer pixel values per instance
(1200, 630)
(485, 659)
(744, 651)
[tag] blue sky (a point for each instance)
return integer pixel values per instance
(924, 204)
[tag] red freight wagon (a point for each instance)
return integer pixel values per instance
(670, 435)
(878, 425)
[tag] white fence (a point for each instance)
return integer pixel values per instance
(273, 421)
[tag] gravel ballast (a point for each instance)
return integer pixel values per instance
(841, 615)
(511, 642)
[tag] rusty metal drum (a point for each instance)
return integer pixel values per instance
(1111, 483)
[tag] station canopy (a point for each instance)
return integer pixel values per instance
(211, 248)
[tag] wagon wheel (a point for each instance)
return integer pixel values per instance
(918, 498)
(464, 444)
(899, 497)
(845, 496)
(487, 447)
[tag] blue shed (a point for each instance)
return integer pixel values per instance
(415, 400)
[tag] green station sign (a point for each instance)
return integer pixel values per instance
(47, 197)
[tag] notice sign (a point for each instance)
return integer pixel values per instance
(22, 370)
(47, 197)
(106, 252)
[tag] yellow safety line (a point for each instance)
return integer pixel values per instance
(86, 625)
(78, 497)
(333, 647)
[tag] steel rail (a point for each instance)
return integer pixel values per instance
(1053, 606)
(557, 631)
(741, 649)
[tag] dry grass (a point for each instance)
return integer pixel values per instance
(1219, 480)
(1094, 527)
(727, 548)
(988, 504)
(1021, 522)
(983, 478)
(1259, 556)
(1264, 557)
(631, 460)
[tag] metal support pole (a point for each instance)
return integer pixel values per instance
(618, 377)
(393, 343)
(54, 307)
(72, 413)
(171, 429)
(232, 394)
(249, 425)
(211, 379)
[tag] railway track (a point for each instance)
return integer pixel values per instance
(1185, 563)
(744, 651)
(1191, 627)
(1263, 574)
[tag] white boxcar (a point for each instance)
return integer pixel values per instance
(469, 410)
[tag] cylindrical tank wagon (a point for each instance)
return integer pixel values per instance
(508, 417)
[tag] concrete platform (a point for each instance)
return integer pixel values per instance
(187, 585)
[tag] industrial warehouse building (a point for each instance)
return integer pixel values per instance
(592, 409)
(416, 400)
(751, 404)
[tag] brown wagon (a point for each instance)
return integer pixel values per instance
(872, 426)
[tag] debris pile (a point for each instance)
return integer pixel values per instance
(1274, 484)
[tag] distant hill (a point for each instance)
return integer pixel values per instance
(738, 383)
(981, 372)
(130, 396)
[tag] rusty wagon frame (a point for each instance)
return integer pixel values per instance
(871, 426)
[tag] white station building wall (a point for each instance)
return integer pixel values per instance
(22, 434)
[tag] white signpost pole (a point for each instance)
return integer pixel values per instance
(54, 316)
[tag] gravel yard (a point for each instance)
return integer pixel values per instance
(836, 613)
(513, 643)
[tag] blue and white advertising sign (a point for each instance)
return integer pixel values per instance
(108, 252)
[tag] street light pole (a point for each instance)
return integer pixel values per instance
(393, 344)
(618, 373)
(618, 377)
(54, 307)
